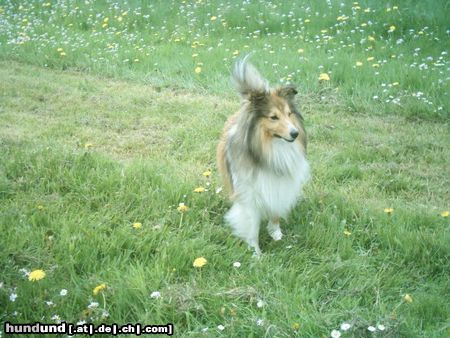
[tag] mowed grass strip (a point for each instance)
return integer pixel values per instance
(84, 158)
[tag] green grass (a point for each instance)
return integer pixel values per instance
(90, 145)
(162, 42)
(149, 150)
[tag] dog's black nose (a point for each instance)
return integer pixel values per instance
(294, 134)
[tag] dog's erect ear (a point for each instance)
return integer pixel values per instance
(258, 99)
(258, 96)
(247, 80)
(287, 92)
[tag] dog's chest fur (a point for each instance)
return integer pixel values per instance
(274, 186)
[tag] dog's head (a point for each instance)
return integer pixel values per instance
(273, 109)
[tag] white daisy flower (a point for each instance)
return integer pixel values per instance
(25, 272)
(335, 334)
(155, 294)
(345, 326)
(56, 318)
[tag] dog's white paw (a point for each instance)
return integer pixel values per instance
(276, 234)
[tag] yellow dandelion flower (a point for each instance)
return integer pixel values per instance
(388, 210)
(324, 77)
(182, 207)
(199, 189)
(376, 65)
(347, 233)
(36, 275)
(370, 38)
(207, 173)
(300, 50)
(213, 18)
(62, 53)
(296, 326)
(105, 20)
(99, 288)
(198, 70)
(307, 21)
(395, 83)
(444, 214)
(407, 298)
(199, 262)
(124, 13)
(40, 207)
(236, 52)
(394, 7)
(137, 225)
(391, 29)
(370, 58)
(119, 19)
(60, 50)
(88, 145)
(367, 10)
(359, 63)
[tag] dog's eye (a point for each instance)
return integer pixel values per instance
(274, 117)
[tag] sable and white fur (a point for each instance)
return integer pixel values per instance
(262, 155)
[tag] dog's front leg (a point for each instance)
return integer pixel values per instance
(273, 227)
(245, 221)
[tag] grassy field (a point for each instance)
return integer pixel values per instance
(110, 114)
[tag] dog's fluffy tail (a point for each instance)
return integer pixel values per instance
(247, 79)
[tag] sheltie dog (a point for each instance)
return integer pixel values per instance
(262, 155)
